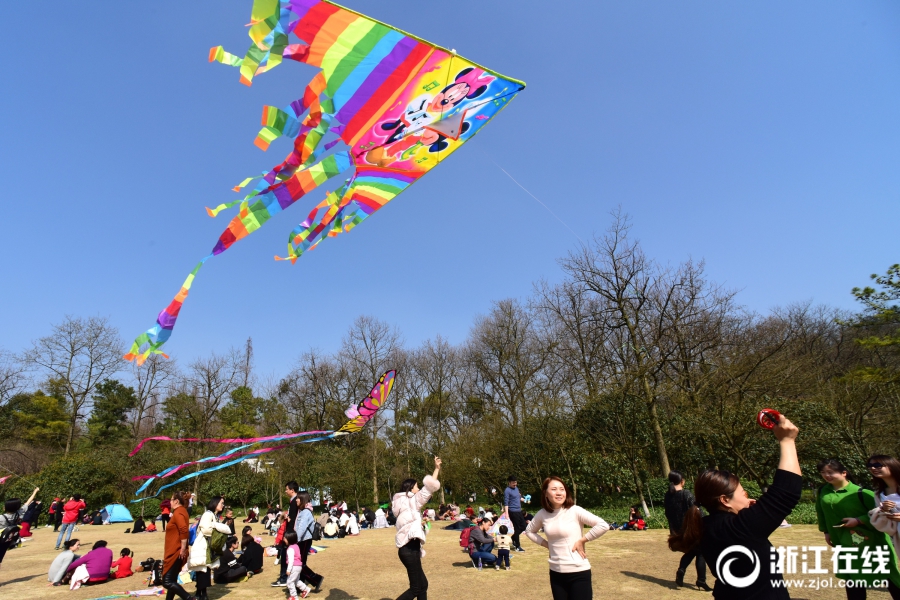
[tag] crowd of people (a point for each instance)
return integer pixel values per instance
(704, 525)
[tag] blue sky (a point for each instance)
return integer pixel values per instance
(761, 137)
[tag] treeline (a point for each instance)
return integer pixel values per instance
(626, 369)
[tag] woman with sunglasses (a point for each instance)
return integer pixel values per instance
(842, 511)
(885, 471)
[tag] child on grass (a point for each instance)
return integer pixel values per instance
(503, 543)
(295, 565)
(122, 567)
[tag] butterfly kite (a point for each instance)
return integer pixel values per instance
(359, 415)
(399, 105)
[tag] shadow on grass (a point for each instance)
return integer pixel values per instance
(465, 563)
(19, 580)
(666, 583)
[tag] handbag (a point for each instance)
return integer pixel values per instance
(879, 521)
(215, 546)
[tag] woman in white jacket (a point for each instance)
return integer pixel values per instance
(198, 560)
(407, 506)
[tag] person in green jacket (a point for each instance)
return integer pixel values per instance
(842, 509)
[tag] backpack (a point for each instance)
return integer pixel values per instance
(464, 539)
(9, 533)
(156, 572)
(316, 531)
(192, 534)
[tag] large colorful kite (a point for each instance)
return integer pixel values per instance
(359, 415)
(399, 104)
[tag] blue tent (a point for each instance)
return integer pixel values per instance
(118, 514)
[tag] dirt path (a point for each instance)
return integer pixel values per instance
(626, 566)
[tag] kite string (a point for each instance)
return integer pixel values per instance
(14, 474)
(532, 195)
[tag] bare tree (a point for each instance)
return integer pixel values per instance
(507, 357)
(150, 381)
(80, 353)
(367, 350)
(210, 381)
(12, 376)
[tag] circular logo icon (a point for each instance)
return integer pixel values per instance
(723, 566)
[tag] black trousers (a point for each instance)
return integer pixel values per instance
(307, 574)
(859, 593)
(282, 561)
(411, 557)
(571, 586)
(701, 564)
(165, 520)
(203, 579)
(519, 525)
(170, 582)
(231, 575)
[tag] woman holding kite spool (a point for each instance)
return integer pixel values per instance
(739, 528)
(407, 506)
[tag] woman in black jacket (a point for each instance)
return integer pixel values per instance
(677, 502)
(742, 526)
(252, 556)
(230, 569)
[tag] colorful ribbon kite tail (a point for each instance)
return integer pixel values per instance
(398, 104)
(359, 414)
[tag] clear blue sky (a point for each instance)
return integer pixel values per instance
(761, 137)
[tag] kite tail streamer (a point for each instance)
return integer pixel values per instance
(250, 218)
(223, 466)
(151, 340)
(253, 440)
(359, 415)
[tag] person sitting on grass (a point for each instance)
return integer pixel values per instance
(251, 554)
(61, 563)
(93, 567)
(123, 565)
(636, 522)
(330, 531)
(482, 543)
(230, 569)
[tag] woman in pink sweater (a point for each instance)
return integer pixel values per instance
(563, 523)
(96, 565)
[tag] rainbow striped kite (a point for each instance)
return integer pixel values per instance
(399, 105)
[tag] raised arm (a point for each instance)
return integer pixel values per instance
(32, 496)
(764, 517)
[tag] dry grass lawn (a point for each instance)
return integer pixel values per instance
(626, 566)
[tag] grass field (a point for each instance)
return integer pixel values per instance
(626, 565)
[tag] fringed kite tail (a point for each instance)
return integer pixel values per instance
(152, 340)
(359, 415)
(250, 218)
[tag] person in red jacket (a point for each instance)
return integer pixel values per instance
(70, 516)
(123, 565)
